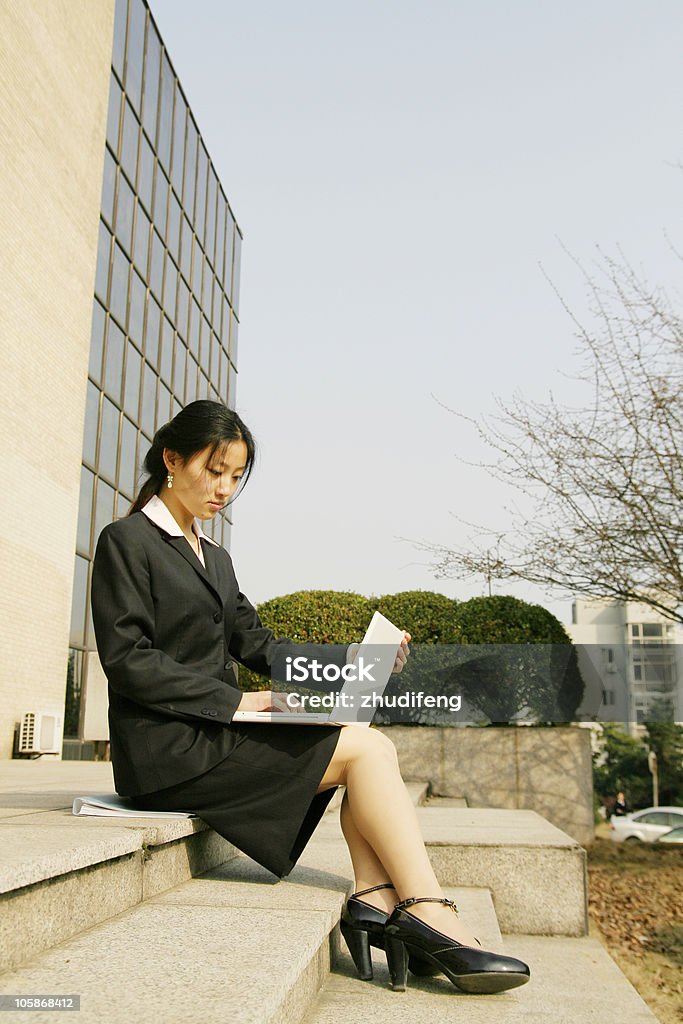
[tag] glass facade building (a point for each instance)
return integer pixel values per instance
(166, 304)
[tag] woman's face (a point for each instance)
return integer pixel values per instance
(204, 486)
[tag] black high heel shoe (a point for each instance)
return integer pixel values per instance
(470, 969)
(362, 926)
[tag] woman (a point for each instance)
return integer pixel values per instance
(169, 618)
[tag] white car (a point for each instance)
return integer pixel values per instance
(646, 825)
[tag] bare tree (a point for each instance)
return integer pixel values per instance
(606, 478)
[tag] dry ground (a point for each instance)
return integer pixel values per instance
(635, 897)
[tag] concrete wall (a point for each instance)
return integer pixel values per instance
(54, 81)
(548, 770)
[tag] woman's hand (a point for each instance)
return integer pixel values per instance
(267, 700)
(402, 653)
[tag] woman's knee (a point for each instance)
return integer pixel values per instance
(366, 743)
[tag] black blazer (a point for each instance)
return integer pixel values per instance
(167, 630)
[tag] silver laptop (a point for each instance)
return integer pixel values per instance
(353, 704)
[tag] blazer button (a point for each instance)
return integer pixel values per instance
(213, 713)
(206, 711)
(217, 616)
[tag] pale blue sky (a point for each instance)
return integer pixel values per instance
(399, 171)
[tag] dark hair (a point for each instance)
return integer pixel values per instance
(198, 425)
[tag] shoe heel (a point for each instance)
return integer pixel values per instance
(358, 942)
(397, 962)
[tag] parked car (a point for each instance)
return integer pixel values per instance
(647, 825)
(674, 836)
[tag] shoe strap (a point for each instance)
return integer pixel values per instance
(427, 899)
(362, 892)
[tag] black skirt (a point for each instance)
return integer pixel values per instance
(262, 797)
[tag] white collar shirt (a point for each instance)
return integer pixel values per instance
(159, 513)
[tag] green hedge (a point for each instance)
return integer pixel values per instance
(497, 684)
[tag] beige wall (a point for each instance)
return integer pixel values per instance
(54, 81)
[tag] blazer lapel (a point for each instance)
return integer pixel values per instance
(182, 546)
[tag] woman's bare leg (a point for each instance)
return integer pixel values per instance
(383, 815)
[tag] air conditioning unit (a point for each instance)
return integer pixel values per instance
(40, 732)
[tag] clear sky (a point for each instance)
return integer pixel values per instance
(401, 171)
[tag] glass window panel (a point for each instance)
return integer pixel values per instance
(192, 377)
(205, 346)
(229, 242)
(195, 317)
(146, 173)
(122, 505)
(236, 266)
(215, 350)
(136, 311)
(164, 413)
(203, 386)
(119, 285)
(129, 141)
(136, 46)
(78, 598)
(109, 440)
(183, 308)
(225, 325)
(156, 271)
(220, 236)
(173, 235)
(85, 511)
(114, 115)
(166, 360)
(149, 389)
(153, 327)
(92, 403)
(125, 205)
(217, 302)
(141, 247)
(96, 343)
(234, 330)
(170, 287)
(231, 384)
(190, 167)
(165, 112)
(175, 407)
(104, 507)
(197, 271)
(149, 103)
(113, 371)
(119, 47)
(131, 395)
(223, 374)
(179, 369)
(127, 465)
(200, 206)
(103, 255)
(160, 201)
(211, 215)
(178, 157)
(186, 249)
(108, 187)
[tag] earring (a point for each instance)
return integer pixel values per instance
(170, 479)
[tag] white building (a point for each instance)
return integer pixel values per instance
(630, 656)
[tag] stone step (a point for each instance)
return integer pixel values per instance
(234, 944)
(535, 872)
(61, 874)
(573, 981)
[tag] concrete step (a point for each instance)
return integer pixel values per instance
(61, 874)
(234, 944)
(535, 873)
(573, 981)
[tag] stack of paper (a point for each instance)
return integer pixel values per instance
(111, 804)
